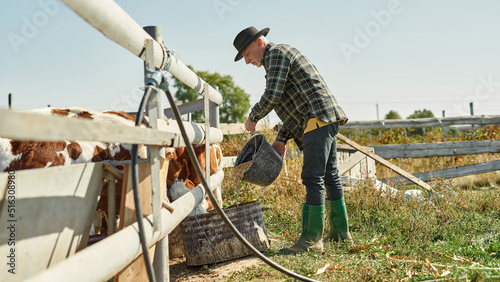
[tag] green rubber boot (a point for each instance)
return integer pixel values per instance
(337, 217)
(313, 224)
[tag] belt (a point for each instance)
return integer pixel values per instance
(313, 124)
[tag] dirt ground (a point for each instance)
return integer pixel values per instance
(180, 272)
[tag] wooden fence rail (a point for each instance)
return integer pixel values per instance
(447, 173)
(423, 150)
(418, 150)
(35, 126)
(441, 149)
(384, 162)
(422, 122)
(238, 128)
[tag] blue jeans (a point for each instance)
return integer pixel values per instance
(319, 171)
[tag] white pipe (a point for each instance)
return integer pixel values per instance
(110, 19)
(161, 260)
(196, 133)
(103, 260)
(24, 125)
(35, 126)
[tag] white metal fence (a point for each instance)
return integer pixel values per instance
(104, 259)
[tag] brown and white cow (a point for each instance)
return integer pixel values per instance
(18, 155)
(181, 167)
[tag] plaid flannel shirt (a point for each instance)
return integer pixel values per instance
(296, 92)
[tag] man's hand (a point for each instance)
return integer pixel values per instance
(250, 125)
(280, 148)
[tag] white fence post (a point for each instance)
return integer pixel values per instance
(207, 133)
(155, 113)
(214, 112)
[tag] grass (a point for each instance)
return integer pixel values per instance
(455, 236)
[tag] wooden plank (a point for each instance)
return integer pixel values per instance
(345, 147)
(54, 208)
(238, 128)
(353, 160)
(423, 122)
(34, 126)
(448, 172)
(364, 168)
(384, 162)
(437, 149)
(127, 207)
(135, 271)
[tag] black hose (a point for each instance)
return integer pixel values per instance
(135, 185)
(224, 217)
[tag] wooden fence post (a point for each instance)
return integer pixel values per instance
(444, 128)
(384, 162)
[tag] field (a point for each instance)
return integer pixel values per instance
(452, 236)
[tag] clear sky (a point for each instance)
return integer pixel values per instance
(402, 55)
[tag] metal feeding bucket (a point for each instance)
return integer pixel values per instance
(207, 240)
(265, 164)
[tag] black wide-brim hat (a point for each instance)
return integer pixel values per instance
(245, 37)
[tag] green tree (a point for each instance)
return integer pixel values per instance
(392, 115)
(420, 114)
(235, 101)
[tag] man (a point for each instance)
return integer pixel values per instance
(311, 116)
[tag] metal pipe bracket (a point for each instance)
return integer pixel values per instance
(154, 78)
